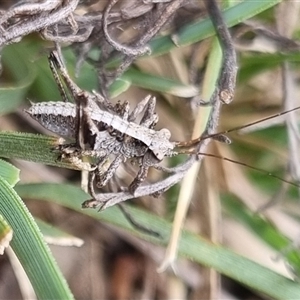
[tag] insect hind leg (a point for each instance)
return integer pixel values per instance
(56, 63)
(139, 108)
(150, 118)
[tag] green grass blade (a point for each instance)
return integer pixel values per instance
(31, 250)
(191, 245)
(200, 30)
(119, 86)
(56, 236)
(9, 172)
(160, 84)
(31, 147)
(21, 72)
(263, 229)
(260, 62)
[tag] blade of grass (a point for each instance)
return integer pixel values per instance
(21, 72)
(188, 183)
(262, 228)
(31, 147)
(9, 173)
(191, 245)
(203, 29)
(160, 84)
(260, 62)
(31, 250)
(56, 236)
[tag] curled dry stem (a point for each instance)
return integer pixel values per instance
(27, 18)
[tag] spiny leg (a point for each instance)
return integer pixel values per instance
(102, 179)
(122, 109)
(148, 161)
(87, 129)
(150, 118)
(59, 70)
(97, 203)
(58, 81)
(57, 64)
(96, 200)
(139, 108)
(140, 177)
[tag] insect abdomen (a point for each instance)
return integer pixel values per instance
(58, 117)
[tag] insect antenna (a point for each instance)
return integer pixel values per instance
(189, 146)
(221, 136)
(135, 224)
(193, 151)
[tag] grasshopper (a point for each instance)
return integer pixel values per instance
(101, 129)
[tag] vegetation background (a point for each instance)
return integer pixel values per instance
(232, 246)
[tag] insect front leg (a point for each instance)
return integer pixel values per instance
(96, 201)
(103, 178)
(75, 155)
(96, 177)
(147, 161)
(140, 177)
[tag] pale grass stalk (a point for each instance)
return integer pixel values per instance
(23, 281)
(84, 180)
(188, 183)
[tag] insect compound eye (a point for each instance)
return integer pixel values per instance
(165, 133)
(159, 155)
